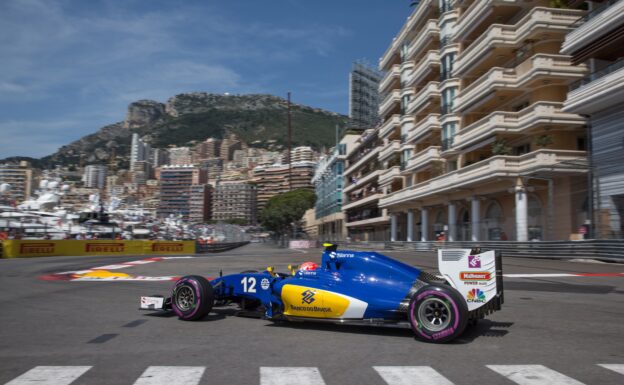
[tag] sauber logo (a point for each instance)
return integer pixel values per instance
(307, 297)
(104, 247)
(165, 247)
(36, 248)
(475, 276)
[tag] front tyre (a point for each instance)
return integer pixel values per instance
(192, 297)
(438, 313)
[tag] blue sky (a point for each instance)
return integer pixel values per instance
(69, 67)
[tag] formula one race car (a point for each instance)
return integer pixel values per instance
(357, 287)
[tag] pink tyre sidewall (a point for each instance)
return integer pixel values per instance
(443, 333)
(196, 292)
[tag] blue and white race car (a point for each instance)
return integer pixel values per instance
(357, 287)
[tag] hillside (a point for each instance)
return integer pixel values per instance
(191, 117)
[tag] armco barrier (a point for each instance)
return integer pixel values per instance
(608, 250)
(45, 248)
(218, 247)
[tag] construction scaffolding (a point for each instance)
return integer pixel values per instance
(364, 95)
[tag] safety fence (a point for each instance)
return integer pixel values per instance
(218, 247)
(608, 250)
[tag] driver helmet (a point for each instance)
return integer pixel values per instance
(308, 266)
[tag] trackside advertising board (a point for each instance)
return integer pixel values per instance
(45, 248)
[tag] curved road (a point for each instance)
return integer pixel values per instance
(552, 330)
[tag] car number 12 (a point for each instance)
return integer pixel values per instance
(249, 284)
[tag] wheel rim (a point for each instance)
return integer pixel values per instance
(434, 314)
(185, 298)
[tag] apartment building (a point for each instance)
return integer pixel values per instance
(95, 176)
(328, 182)
(235, 200)
(273, 179)
(597, 42)
(175, 189)
(362, 191)
(476, 145)
(200, 203)
(19, 181)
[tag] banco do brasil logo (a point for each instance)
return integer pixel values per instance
(307, 297)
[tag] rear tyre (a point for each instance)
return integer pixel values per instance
(192, 298)
(438, 313)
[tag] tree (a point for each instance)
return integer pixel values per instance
(284, 209)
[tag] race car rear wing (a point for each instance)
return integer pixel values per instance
(477, 275)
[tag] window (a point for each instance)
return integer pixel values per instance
(522, 149)
(446, 66)
(448, 132)
(448, 97)
(404, 103)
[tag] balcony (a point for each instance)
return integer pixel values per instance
(598, 91)
(389, 125)
(554, 69)
(537, 22)
(365, 199)
(424, 128)
(423, 68)
(425, 39)
(423, 159)
(540, 113)
(599, 22)
(492, 169)
(362, 181)
(389, 149)
(425, 9)
(368, 221)
(485, 12)
(387, 176)
(406, 70)
(389, 102)
(367, 157)
(424, 97)
(390, 78)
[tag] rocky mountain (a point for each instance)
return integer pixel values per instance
(193, 117)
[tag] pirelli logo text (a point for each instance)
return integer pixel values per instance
(104, 247)
(167, 247)
(37, 248)
(475, 276)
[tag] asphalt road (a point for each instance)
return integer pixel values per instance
(94, 332)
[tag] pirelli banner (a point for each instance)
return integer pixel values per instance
(36, 248)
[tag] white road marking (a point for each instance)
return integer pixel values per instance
(50, 375)
(299, 250)
(290, 376)
(618, 368)
(171, 375)
(533, 375)
(411, 375)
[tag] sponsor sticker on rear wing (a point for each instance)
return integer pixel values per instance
(476, 275)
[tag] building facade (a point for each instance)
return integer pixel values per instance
(597, 42)
(365, 221)
(175, 189)
(19, 178)
(274, 179)
(200, 203)
(235, 200)
(363, 95)
(95, 176)
(472, 111)
(139, 151)
(328, 182)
